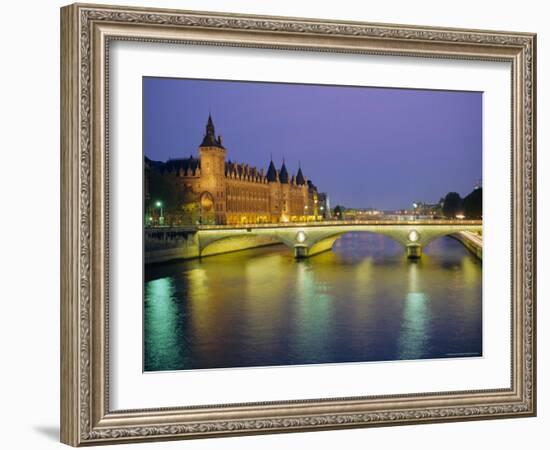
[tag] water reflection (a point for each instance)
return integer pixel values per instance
(363, 301)
(416, 317)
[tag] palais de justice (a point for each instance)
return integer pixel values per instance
(212, 190)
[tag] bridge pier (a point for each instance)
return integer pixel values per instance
(414, 251)
(300, 251)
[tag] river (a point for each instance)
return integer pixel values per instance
(362, 301)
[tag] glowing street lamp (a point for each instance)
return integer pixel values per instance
(413, 236)
(159, 205)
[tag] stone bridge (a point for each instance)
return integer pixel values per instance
(308, 239)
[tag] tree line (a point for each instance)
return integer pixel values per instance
(471, 206)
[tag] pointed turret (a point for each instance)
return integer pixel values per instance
(271, 173)
(210, 125)
(283, 174)
(300, 180)
(210, 139)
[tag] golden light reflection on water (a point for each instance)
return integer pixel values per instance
(312, 312)
(416, 317)
(363, 301)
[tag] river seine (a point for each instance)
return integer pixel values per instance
(362, 301)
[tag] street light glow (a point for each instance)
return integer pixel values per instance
(300, 237)
(414, 236)
(158, 204)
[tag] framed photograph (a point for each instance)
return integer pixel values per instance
(275, 224)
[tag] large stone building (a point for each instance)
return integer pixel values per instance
(211, 189)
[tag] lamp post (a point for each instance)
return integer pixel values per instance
(159, 205)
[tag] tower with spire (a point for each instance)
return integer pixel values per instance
(212, 161)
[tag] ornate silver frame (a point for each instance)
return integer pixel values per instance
(86, 31)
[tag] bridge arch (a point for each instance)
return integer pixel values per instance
(326, 243)
(235, 242)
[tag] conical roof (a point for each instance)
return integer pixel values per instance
(300, 180)
(271, 172)
(283, 174)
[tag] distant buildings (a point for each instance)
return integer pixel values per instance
(427, 210)
(343, 213)
(212, 190)
(419, 210)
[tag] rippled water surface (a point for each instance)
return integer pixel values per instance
(362, 301)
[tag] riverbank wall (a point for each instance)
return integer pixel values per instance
(182, 243)
(471, 241)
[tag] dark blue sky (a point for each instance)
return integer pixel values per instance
(366, 147)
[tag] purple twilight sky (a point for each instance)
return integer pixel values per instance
(366, 147)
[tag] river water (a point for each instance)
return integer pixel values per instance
(362, 301)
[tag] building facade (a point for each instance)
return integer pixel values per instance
(211, 189)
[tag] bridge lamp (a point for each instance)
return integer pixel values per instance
(300, 237)
(414, 236)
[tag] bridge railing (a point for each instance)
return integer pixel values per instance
(339, 223)
(166, 228)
